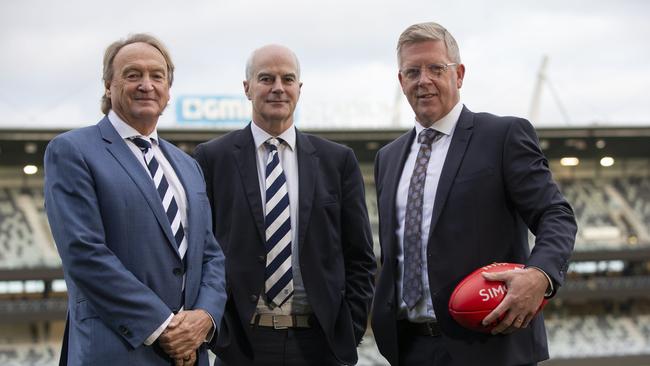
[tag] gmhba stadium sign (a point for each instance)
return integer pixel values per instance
(213, 109)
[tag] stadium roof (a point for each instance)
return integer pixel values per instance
(19, 146)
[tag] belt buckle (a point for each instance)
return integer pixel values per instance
(433, 329)
(429, 328)
(276, 325)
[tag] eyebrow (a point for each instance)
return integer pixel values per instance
(264, 73)
(130, 68)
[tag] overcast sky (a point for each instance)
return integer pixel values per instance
(598, 56)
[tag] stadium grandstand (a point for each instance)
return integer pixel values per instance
(600, 317)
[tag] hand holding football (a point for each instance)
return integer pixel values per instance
(475, 297)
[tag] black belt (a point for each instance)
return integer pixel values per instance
(428, 329)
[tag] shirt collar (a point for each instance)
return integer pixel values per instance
(125, 130)
(260, 136)
(445, 124)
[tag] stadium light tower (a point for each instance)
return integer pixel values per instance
(543, 80)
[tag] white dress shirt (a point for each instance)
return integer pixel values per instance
(296, 304)
(423, 310)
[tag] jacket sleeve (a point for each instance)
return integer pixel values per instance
(212, 293)
(360, 262)
(538, 201)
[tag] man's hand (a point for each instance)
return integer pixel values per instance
(526, 288)
(187, 361)
(185, 333)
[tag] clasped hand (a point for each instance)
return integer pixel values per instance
(185, 333)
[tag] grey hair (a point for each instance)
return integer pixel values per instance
(429, 31)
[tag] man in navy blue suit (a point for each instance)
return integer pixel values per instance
(457, 192)
(131, 221)
(289, 209)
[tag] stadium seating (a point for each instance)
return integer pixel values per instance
(598, 335)
(25, 241)
(41, 354)
(612, 213)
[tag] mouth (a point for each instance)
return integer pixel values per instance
(426, 95)
(143, 98)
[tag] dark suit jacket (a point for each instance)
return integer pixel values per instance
(495, 184)
(335, 241)
(120, 261)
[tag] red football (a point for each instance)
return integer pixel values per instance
(475, 297)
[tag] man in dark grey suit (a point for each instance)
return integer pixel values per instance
(290, 212)
(131, 221)
(455, 193)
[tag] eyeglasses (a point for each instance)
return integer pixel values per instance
(432, 71)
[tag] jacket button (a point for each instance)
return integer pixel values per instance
(178, 271)
(124, 330)
(261, 259)
(253, 298)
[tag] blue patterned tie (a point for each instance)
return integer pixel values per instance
(278, 275)
(167, 198)
(412, 283)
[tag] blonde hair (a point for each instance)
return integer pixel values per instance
(429, 31)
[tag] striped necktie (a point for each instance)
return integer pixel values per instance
(167, 198)
(278, 275)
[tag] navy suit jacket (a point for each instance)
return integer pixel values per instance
(120, 260)
(335, 241)
(495, 184)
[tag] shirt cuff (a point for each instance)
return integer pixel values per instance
(210, 335)
(152, 338)
(549, 289)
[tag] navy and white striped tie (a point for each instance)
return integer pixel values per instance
(278, 275)
(167, 198)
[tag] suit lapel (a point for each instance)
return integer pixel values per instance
(308, 165)
(457, 148)
(117, 147)
(397, 157)
(245, 155)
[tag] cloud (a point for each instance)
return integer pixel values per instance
(599, 63)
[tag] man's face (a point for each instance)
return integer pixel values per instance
(431, 96)
(274, 87)
(139, 90)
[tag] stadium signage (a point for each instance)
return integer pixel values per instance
(213, 109)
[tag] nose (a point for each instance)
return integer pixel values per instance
(425, 76)
(146, 84)
(277, 87)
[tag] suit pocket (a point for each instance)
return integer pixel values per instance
(85, 311)
(327, 200)
(474, 175)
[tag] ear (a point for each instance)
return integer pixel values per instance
(247, 89)
(460, 74)
(107, 87)
(401, 81)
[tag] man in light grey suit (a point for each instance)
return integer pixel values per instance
(132, 224)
